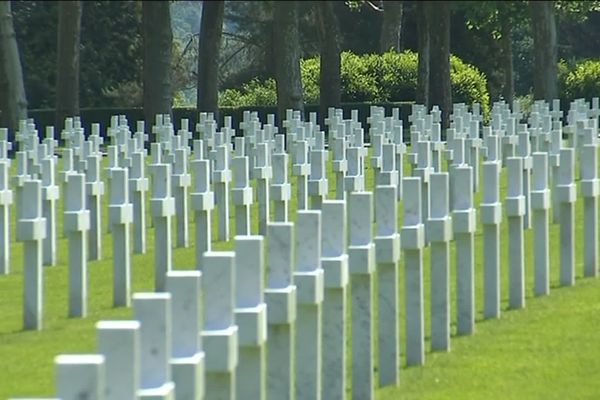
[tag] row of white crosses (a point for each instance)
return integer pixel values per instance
(363, 253)
(173, 350)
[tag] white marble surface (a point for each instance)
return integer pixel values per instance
(360, 215)
(280, 253)
(153, 311)
(80, 376)
(185, 288)
(119, 343)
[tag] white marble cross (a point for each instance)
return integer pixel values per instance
(76, 223)
(280, 296)
(31, 230)
(153, 311)
(120, 212)
(181, 181)
(203, 203)
(242, 194)
(220, 334)
(162, 206)
(187, 355)
(119, 343)
(540, 204)
(6, 199)
(361, 260)
(515, 210)
(413, 242)
(308, 278)
(464, 226)
(80, 376)
(387, 254)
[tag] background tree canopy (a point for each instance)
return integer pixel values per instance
(111, 52)
(482, 38)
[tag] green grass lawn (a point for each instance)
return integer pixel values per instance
(546, 350)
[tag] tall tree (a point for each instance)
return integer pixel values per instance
(209, 45)
(158, 42)
(286, 52)
(498, 19)
(543, 25)
(391, 27)
(67, 64)
(422, 13)
(440, 90)
(508, 88)
(330, 81)
(13, 103)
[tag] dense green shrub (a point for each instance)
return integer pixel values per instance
(389, 77)
(253, 93)
(469, 85)
(578, 80)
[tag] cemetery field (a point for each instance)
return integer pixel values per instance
(547, 350)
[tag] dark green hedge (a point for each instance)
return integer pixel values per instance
(388, 77)
(580, 79)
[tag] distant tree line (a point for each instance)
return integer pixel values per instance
(66, 54)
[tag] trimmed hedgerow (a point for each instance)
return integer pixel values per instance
(388, 77)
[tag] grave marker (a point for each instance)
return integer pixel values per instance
(153, 311)
(187, 357)
(76, 224)
(567, 193)
(80, 376)
(464, 226)
(387, 254)
(119, 343)
(202, 203)
(301, 170)
(220, 334)
(439, 227)
(221, 178)
(251, 317)
(138, 186)
(120, 213)
(6, 199)
(263, 172)
(335, 267)
(95, 191)
(361, 260)
(515, 210)
(491, 217)
(181, 181)
(280, 188)
(280, 296)
(31, 230)
(242, 194)
(590, 190)
(308, 278)
(162, 205)
(540, 204)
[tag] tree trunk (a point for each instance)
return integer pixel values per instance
(440, 90)
(508, 90)
(13, 102)
(158, 40)
(286, 53)
(391, 27)
(422, 11)
(330, 80)
(543, 25)
(209, 45)
(67, 66)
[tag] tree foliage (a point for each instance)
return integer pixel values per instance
(111, 53)
(388, 77)
(578, 80)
